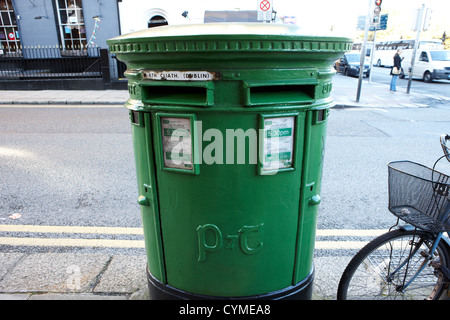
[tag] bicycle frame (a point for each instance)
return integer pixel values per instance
(436, 241)
(417, 251)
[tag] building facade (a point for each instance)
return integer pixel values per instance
(43, 39)
(70, 24)
(136, 15)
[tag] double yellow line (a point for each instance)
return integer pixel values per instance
(117, 243)
(67, 242)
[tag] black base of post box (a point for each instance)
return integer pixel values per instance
(301, 291)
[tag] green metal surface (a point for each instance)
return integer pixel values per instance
(222, 223)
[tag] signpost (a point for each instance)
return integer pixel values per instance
(419, 23)
(363, 51)
(373, 21)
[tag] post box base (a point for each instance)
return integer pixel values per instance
(301, 291)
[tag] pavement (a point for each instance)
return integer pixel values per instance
(373, 95)
(83, 276)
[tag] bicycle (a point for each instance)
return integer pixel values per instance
(410, 261)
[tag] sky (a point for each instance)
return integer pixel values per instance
(322, 16)
(339, 18)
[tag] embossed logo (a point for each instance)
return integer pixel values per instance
(211, 239)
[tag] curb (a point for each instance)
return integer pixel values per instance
(57, 102)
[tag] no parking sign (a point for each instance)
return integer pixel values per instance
(264, 9)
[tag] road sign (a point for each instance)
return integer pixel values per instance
(264, 10)
(382, 25)
(421, 23)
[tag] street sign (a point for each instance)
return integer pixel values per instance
(361, 24)
(382, 25)
(421, 24)
(264, 10)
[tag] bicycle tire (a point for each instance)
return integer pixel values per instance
(365, 279)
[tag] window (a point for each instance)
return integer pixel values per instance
(9, 34)
(423, 56)
(71, 22)
(157, 21)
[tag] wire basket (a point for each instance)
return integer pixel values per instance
(419, 195)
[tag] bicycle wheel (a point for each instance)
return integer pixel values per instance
(369, 275)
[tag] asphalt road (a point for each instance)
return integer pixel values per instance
(64, 166)
(437, 87)
(74, 166)
(360, 143)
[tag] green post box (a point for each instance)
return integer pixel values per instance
(229, 125)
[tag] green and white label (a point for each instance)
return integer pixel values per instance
(177, 143)
(278, 143)
(180, 75)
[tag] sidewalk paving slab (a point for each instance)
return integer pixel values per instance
(54, 272)
(75, 276)
(80, 296)
(124, 274)
(373, 95)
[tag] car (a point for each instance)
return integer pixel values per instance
(431, 65)
(349, 65)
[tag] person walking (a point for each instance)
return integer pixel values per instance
(396, 69)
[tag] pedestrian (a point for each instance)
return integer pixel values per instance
(396, 69)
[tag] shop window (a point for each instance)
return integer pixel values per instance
(71, 24)
(9, 33)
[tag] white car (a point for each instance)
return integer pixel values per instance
(431, 65)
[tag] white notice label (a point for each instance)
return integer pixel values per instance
(278, 143)
(177, 143)
(179, 75)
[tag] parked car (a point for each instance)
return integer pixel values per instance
(349, 65)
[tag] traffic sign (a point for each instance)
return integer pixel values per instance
(382, 25)
(264, 10)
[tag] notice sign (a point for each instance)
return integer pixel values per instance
(180, 75)
(177, 148)
(278, 143)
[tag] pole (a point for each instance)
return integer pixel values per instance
(372, 53)
(416, 45)
(363, 51)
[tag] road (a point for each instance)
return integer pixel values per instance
(64, 166)
(360, 143)
(67, 173)
(437, 87)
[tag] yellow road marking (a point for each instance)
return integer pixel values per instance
(351, 232)
(68, 105)
(70, 229)
(108, 243)
(117, 243)
(64, 242)
(334, 245)
(139, 231)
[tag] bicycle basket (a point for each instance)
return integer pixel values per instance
(418, 195)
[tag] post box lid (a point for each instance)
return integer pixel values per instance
(219, 30)
(216, 44)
